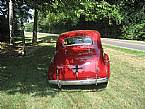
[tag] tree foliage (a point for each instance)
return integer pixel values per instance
(126, 16)
(67, 14)
(134, 19)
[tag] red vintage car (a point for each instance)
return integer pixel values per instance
(79, 60)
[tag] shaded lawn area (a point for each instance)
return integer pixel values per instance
(26, 74)
(23, 83)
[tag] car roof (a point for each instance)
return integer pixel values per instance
(90, 33)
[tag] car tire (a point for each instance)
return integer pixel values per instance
(102, 85)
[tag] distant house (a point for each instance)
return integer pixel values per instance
(4, 29)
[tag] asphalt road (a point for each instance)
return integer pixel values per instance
(137, 45)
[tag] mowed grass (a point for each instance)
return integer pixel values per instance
(23, 83)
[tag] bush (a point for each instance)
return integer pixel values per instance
(134, 31)
(29, 27)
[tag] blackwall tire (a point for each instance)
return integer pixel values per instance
(102, 85)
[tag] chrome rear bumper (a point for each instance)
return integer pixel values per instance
(78, 82)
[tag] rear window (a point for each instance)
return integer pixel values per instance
(78, 41)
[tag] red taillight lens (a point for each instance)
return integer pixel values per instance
(106, 59)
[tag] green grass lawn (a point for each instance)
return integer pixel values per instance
(23, 83)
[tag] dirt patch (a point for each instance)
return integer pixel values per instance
(7, 50)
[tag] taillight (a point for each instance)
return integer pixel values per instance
(106, 59)
(107, 64)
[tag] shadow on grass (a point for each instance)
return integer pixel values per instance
(27, 75)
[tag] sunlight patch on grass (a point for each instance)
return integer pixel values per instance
(41, 37)
(126, 50)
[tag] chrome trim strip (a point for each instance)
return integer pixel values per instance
(79, 82)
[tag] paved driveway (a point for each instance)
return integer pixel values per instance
(137, 45)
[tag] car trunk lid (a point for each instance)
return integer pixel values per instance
(78, 63)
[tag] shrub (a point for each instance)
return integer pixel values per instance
(134, 31)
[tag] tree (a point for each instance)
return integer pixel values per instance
(34, 39)
(37, 5)
(4, 33)
(11, 20)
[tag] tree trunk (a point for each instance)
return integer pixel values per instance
(7, 17)
(23, 36)
(11, 21)
(34, 40)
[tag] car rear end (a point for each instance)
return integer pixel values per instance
(79, 64)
